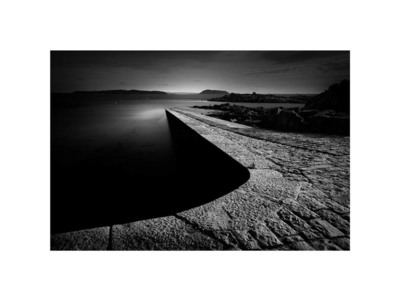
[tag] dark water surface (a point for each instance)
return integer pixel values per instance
(117, 161)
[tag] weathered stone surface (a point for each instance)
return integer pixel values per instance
(311, 234)
(246, 240)
(292, 239)
(166, 233)
(310, 202)
(301, 211)
(335, 220)
(303, 181)
(342, 242)
(296, 246)
(265, 237)
(301, 246)
(297, 197)
(293, 220)
(324, 245)
(90, 239)
(326, 228)
(346, 216)
(343, 199)
(279, 227)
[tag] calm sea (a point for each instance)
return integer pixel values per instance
(110, 153)
(137, 127)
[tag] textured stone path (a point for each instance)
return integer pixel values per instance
(297, 198)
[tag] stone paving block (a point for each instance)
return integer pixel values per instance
(326, 228)
(245, 240)
(279, 227)
(346, 216)
(342, 242)
(310, 202)
(274, 188)
(296, 223)
(264, 236)
(296, 246)
(255, 162)
(335, 220)
(229, 239)
(236, 210)
(311, 234)
(337, 208)
(166, 233)
(89, 239)
(301, 246)
(291, 239)
(300, 210)
(324, 245)
(343, 199)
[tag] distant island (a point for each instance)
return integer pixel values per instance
(214, 92)
(82, 98)
(141, 92)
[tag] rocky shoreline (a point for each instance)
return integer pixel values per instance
(327, 112)
(263, 98)
(284, 119)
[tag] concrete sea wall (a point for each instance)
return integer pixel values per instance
(297, 198)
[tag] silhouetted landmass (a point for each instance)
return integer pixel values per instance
(264, 98)
(214, 92)
(82, 98)
(119, 92)
(327, 113)
(337, 98)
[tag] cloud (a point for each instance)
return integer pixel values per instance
(267, 71)
(264, 70)
(290, 57)
(336, 65)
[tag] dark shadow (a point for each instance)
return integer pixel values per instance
(93, 194)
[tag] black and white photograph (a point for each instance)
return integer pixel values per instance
(200, 150)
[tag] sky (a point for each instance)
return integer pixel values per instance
(262, 72)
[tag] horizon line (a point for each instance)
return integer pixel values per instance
(188, 93)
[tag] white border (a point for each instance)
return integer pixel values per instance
(30, 29)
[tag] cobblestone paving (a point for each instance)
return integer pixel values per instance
(297, 197)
